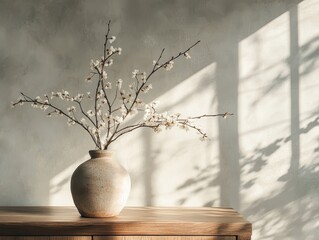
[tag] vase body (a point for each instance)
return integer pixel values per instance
(100, 186)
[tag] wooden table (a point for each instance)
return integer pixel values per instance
(138, 223)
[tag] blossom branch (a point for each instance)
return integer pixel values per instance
(106, 37)
(224, 115)
(204, 135)
(28, 99)
(82, 111)
(96, 112)
(116, 92)
(155, 69)
(158, 59)
(177, 56)
(131, 128)
(103, 117)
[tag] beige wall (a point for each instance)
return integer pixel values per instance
(257, 59)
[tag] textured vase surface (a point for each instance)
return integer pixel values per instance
(100, 186)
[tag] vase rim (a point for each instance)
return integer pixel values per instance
(100, 153)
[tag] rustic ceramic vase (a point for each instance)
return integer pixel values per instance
(100, 186)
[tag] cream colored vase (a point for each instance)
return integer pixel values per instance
(100, 186)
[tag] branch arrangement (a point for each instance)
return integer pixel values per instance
(111, 106)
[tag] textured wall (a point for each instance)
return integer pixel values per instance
(257, 59)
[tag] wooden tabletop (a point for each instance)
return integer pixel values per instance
(132, 221)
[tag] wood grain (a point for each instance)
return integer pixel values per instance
(164, 238)
(66, 221)
(46, 238)
(244, 237)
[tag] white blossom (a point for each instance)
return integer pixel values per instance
(132, 87)
(104, 75)
(148, 111)
(70, 122)
(102, 125)
(187, 55)
(71, 109)
(145, 89)
(93, 130)
(118, 119)
(143, 77)
(65, 93)
(112, 39)
(94, 64)
(203, 138)
(125, 97)
(34, 105)
(138, 102)
(119, 50)
(44, 107)
(157, 129)
(103, 101)
(123, 110)
(108, 62)
(60, 95)
(100, 94)
(108, 85)
(183, 126)
(90, 113)
(83, 120)
(110, 50)
(134, 73)
(154, 104)
(169, 65)
(79, 97)
(119, 83)
(108, 117)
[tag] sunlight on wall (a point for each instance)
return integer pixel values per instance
(279, 153)
(161, 163)
(309, 63)
(309, 112)
(264, 103)
(264, 110)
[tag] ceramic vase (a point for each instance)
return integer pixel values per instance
(100, 186)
